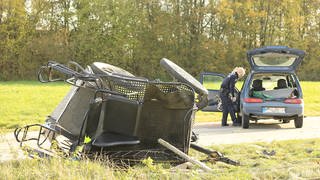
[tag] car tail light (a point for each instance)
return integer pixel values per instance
(253, 100)
(293, 101)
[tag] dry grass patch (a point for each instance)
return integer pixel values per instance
(293, 159)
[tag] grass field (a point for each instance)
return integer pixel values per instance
(25, 102)
(295, 159)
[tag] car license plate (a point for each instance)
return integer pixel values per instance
(273, 110)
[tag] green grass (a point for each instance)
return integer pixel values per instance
(25, 102)
(293, 160)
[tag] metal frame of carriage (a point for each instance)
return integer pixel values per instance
(147, 110)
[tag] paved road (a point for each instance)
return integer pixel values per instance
(210, 133)
(9, 148)
(265, 131)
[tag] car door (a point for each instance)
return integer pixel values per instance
(212, 82)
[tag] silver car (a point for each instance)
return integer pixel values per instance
(271, 89)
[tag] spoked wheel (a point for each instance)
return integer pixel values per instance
(104, 68)
(182, 76)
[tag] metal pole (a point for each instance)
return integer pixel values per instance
(183, 155)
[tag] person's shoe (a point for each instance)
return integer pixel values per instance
(224, 124)
(236, 124)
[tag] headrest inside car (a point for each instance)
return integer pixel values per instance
(257, 85)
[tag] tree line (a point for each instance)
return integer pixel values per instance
(199, 35)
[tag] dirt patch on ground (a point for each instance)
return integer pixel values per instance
(10, 148)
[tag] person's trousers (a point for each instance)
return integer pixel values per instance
(227, 107)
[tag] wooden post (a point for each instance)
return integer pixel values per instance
(183, 155)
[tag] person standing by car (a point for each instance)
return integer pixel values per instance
(227, 95)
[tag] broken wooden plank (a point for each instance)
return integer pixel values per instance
(184, 155)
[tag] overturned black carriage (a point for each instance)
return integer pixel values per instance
(111, 112)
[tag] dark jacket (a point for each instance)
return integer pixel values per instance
(228, 84)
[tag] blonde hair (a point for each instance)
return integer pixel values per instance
(240, 71)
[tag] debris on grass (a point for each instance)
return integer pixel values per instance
(269, 153)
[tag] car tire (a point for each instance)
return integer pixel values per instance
(298, 122)
(245, 121)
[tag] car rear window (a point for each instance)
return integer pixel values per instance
(274, 59)
(274, 85)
